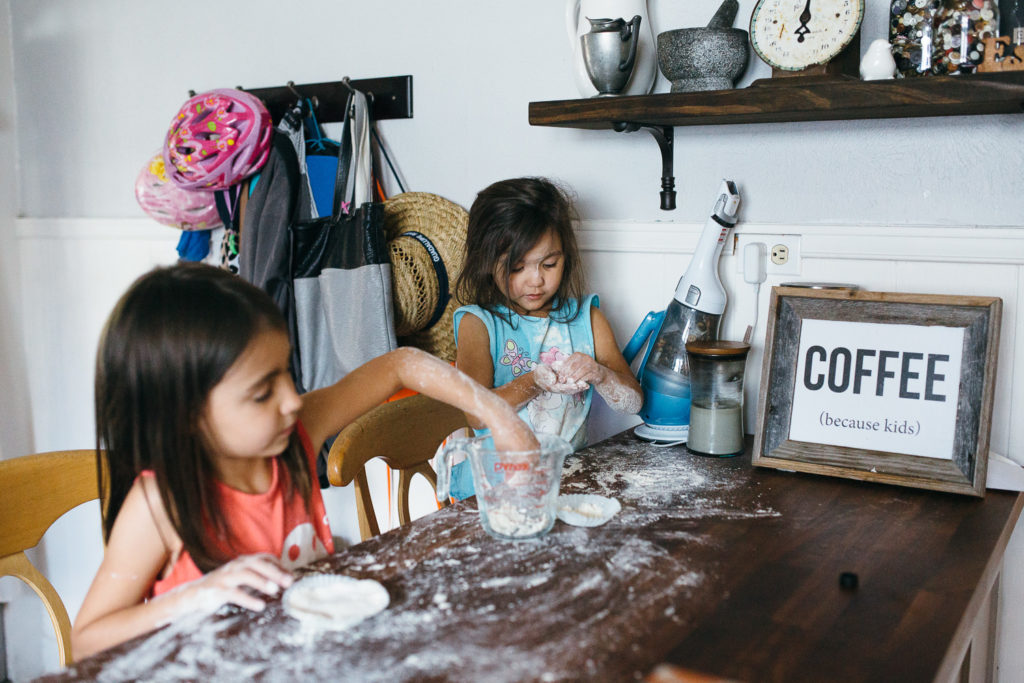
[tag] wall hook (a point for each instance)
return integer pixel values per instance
(305, 103)
(393, 97)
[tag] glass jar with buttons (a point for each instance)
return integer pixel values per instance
(960, 28)
(912, 35)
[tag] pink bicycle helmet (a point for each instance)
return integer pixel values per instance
(216, 139)
(168, 204)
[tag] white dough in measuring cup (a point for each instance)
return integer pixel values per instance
(586, 509)
(333, 601)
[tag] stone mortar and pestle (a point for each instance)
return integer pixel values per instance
(709, 57)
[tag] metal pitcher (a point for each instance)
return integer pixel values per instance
(609, 53)
(645, 68)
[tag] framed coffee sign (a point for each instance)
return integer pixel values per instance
(879, 386)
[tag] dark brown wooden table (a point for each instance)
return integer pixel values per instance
(712, 565)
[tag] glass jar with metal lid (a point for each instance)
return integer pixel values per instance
(716, 404)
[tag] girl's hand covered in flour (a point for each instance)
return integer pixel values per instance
(619, 389)
(580, 369)
(548, 378)
(239, 582)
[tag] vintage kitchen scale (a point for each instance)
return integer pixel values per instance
(807, 39)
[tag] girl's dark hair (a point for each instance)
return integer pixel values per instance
(169, 341)
(506, 220)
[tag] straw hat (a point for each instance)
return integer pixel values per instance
(422, 283)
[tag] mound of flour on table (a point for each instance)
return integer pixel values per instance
(333, 601)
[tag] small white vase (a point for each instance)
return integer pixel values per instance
(878, 63)
(645, 69)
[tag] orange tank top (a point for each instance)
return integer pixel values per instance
(265, 523)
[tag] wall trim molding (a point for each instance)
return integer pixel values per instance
(961, 244)
(93, 229)
(928, 243)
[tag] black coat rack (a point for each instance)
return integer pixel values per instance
(390, 97)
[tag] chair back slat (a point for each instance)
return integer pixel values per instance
(38, 489)
(405, 434)
(35, 491)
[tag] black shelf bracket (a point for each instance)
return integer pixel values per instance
(665, 137)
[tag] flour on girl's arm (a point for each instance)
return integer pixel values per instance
(204, 602)
(551, 376)
(621, 399)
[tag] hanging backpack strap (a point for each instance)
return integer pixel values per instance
(225, 201)
(360, 181)
(316, 141)
(341, 202)
(379, 144)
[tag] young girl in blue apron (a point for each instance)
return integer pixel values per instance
(531, 333)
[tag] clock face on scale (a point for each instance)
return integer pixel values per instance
(792, 35)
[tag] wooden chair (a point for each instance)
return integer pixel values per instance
(405, 434)
(36, 491)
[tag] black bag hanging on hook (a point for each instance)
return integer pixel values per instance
(340, 270)
(279, 198)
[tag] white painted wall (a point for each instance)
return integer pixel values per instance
(88, 88)
(99, 81)
(15, 434)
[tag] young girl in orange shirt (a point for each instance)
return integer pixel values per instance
(212, 494)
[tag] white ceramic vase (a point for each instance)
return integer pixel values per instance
(646, 67)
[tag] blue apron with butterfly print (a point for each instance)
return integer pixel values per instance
(515, 349)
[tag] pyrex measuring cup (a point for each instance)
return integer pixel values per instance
(515, 490)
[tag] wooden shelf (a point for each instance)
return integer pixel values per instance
(772, 101)
(783, 100)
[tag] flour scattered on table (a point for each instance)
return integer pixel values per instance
(333, 601)
(584, 509)
(656, 484)
(654, 558)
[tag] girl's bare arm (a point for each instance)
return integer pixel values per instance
(327, 411)
(115, 608)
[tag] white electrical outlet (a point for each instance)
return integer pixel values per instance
(782, 252)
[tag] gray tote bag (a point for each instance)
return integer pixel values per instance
(340, 270)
